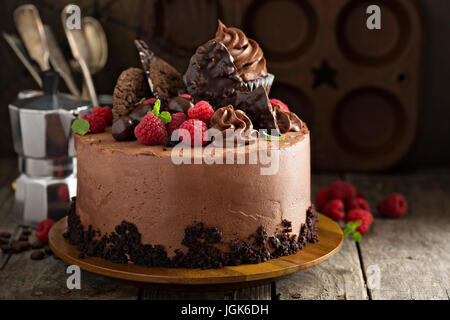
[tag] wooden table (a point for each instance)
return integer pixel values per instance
(411, 255)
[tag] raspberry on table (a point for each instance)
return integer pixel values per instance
(201, 111)
(360, 214)
(321, 199)
(342, 190)
(96, 124)
(357, 203)
(283, 106)
(334, 209)
(394, 206)
(177, 120)
(105, 113)
(151, 130)
(193, 132)
(43, 229)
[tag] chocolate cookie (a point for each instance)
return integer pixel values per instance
(164, 80)
(212, 76)
(130, 88)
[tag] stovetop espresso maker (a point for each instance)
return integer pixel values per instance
(42, 135)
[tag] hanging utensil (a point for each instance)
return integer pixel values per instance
(59, 62)
(31, 30)
(18, 48)
(79, 48)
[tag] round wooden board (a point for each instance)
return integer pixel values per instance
(330, 242)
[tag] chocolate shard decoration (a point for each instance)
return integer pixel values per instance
(164, 80)
(288, 121)
(257, 107)
(212, 75)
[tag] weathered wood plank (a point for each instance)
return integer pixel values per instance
(412, 253)
(23, 278)
(338, 278)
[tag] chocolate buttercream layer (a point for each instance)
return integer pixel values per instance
(247, 55)
(124, 244)
(128, 181)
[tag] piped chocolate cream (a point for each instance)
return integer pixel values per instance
(247, 54)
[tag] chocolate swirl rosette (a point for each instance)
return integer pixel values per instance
(248, 57)
(232, 125)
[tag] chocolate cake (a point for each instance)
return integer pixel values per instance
(146, 195)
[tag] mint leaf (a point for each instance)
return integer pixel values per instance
(273, 138)
(165, 117)
(357, 236)
(156, 107)
(351, 227)
(80, 126)
(140, 101)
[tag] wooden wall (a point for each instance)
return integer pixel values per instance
(124, 20)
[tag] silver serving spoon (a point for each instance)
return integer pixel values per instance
(31, 30)
(59, 62)
(97, 44)
(79, 47)
(20, 51)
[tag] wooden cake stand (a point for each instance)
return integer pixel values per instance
(330, 242)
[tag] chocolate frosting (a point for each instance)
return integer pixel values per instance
(234, 123)
(288, 121)
(247, 54)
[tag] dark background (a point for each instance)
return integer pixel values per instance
(190, 23)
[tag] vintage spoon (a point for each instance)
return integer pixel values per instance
(31, 29)
(20, 51)
(59, 62)
(78, 45)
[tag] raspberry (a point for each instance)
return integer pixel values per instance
(96, 124)
(360, 214)
(186, 96)
(177, 120)
(201, 111)
(357, 203)
(195, 132)
(360, 194)
(321, 199)
(105, 113)
(393, 206)
(342, 190)
(151, 130)
(334, 209)
(149, 101)
(42, 230)
(283, 106)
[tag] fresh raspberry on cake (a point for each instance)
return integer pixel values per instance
(321, 199)
(357, 203)
(334, 209)
(177, 120)
(96, 124)
(342, 190)
(151, 130)
(194, 132)
(105, 113)
(394, 206)
(360, 214)
(283, 106)
(43, 229)
(201, 111)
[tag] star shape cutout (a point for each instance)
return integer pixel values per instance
(324, 75)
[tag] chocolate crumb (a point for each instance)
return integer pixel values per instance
(124, 244)
(4, 240)
(5, 248)
(26, 231)
(23, 237)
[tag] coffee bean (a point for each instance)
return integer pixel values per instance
(19, 246)
(23, 237)
(26, 231)
(5, 248)
(5, 235)
(4, 240)
(37, 255)
(37, 245)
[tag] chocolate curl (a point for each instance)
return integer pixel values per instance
(287, 121)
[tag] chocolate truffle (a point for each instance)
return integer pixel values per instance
(180, 104)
